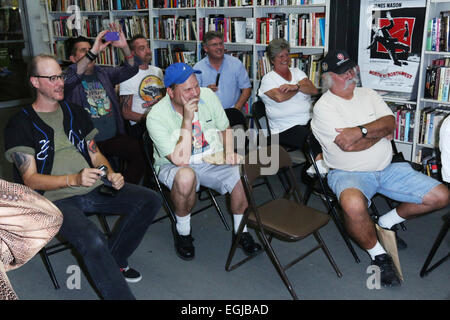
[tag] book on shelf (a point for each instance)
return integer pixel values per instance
(438, 33)
(249, 30)
(130, 4)
(246, 58)
(306, 29)
(163, 57)
(60, 5)
(404, 121)
(170, 27)
(93, 5)
(430, 122)
(133, 26)
(437, 80)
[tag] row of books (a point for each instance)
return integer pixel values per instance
(97, 5)
(93, 5)
(310, 64)
(60, 5)
(174, 3)
(92, 25)
(175, 28)
(135, 25)
(130, 4)
(164, 57)
(297, 29)
(438, 37)
(429, 126)
(246, 58)
(234, 29)
(288, 2)
(404, 121)
(437, 80)
(105, 57)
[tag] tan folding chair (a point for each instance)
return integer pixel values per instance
(286, 217)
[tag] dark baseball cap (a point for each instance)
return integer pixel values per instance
(337, 61)
(178, 73)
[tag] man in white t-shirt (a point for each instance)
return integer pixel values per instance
(139, 93)
(354, 126)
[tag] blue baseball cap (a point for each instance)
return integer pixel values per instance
(178, 73)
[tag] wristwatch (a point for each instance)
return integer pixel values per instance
(363, 131)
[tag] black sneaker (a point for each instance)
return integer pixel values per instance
(388, 277)
(184, 246)
(131, 275)
(248, 245)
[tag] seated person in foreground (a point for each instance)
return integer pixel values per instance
(286, 93)
(51, 143)
(184, 127)
(355, 126)
(28, 222)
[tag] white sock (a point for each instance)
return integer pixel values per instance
(184, 225)
(390, 219)
(237, 218)
(375, 251)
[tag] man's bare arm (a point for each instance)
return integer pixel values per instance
(350, 139)
(126, 102)
(26, 164)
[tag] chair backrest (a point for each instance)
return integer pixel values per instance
(259, 115)
(268, 161)
(236, 117)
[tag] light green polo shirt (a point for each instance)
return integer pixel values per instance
(164, 124)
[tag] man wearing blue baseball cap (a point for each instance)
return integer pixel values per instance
(187, 128)
(354, 126)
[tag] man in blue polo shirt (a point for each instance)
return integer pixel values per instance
(222, 73)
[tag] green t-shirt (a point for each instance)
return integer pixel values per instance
(67, 159)
(164, 124)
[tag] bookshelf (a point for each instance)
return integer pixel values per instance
(432, 104)
(175, 28)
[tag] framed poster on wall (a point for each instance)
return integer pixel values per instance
(390, 44)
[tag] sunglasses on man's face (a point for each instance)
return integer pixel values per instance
(53, 78)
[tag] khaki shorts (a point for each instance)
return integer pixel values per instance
(222, 178)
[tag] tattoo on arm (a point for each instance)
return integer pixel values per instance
(92, 146)
(125, 102)
(22, 161)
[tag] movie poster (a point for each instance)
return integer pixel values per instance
(390, 44)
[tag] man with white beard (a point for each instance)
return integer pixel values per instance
(354, 127)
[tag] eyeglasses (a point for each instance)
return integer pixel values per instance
(53, 78)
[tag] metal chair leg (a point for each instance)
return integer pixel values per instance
(219, 211)
(49, 267)
(425, 270)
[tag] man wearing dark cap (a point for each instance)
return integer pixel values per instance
(354, 126)
(187, 128)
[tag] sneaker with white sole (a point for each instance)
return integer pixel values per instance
(323, 168)
(131, 275)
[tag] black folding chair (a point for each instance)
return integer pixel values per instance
(52, 249)
(165, 192)
(285, 217)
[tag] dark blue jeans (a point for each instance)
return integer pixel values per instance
(136, 205)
